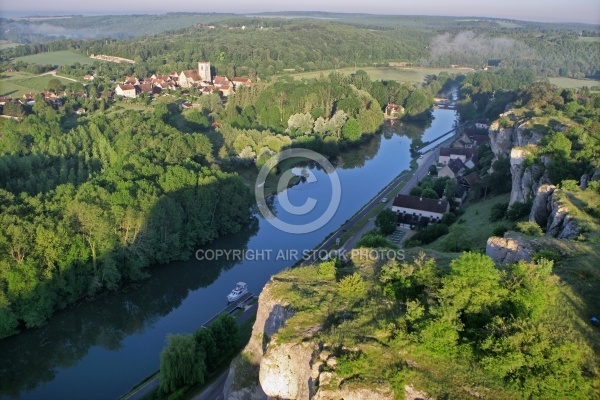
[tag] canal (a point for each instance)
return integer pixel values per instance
(102, 347)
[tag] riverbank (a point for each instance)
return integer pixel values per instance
(149, 388)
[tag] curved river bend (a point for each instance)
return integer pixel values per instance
(101, 348)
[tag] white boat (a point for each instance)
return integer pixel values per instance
(240, 289)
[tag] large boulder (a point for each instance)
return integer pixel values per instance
(509, 249)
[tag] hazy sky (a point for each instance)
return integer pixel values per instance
(533, 10)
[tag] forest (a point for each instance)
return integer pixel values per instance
(86, 208)
(261, 47)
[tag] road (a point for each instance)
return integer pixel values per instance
(53, 72)
(414, 178)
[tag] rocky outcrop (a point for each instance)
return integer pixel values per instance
(542, 205)
(561, 225)
(509, 249)
(286, 370)
(270, 368)
(522, 177)
(549, 213)
(583, 182)
(596, 176)
(242, 382)
(500, 139)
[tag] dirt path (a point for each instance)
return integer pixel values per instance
(53, 73)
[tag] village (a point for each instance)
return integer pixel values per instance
(455, 164)
(200, 80)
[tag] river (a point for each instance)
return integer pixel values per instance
(101, 348)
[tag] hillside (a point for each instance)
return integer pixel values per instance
(512, 323)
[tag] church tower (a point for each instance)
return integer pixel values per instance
(204, 71)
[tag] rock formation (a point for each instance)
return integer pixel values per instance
(552, 215)
(272, 368)
(509, 249)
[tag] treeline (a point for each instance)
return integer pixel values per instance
(488, 92)
(547, 51)
(191, 359)
(324, 114)
(263, 48)
(87, 208)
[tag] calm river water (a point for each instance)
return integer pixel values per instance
(101, 348)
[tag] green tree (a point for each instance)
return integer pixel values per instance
(179, 364)
(351, 130)
(352, 288)
(386, 221)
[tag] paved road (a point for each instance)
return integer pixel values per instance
(419, 174)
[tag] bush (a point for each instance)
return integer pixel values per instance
(449, 218)
(326, 270)
(373, 240)
(500, 230)
(498, 212)
(431, 233)
(529, 228)
(547, 254)
(352, 287)
(518, 210)
(569, 184)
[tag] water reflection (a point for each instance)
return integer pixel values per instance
(35, 355)
(100, 348)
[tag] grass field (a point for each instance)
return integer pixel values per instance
(571, 83)
(412, 75)
(589, 39)
(5, 44)
(16, 84)
(63, 57)
(477, 221)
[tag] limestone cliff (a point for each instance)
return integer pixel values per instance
(271, 367)
(549, 212)
(511, 142)
(242, 382)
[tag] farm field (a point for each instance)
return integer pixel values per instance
(62, 57)
(16, 84)
(412, 75)
(5, 44)
(571, 83)
(589, 39)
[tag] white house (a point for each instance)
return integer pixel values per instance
(482, 124)
(462, 154)
(412, 210)
(126, 91)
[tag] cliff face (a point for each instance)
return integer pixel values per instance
(510, 142)
(270, 367)
(550, 213)
(242, 382)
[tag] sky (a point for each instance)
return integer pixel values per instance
(586, 11)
